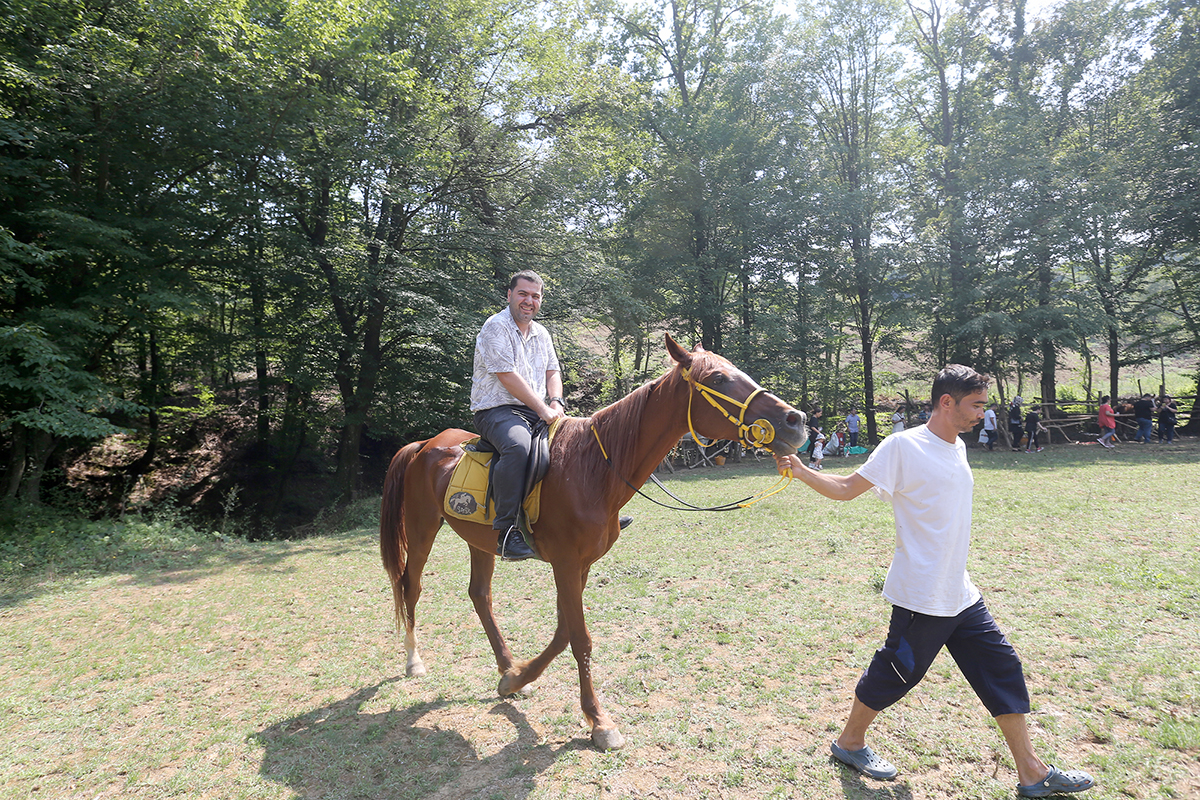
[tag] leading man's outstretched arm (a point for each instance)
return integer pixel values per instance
(836, 487)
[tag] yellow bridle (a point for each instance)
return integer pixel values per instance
(759, 433)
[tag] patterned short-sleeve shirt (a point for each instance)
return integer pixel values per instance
(501, 347)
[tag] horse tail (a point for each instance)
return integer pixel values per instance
(393, 539)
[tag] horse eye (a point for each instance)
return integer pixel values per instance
(720, 379)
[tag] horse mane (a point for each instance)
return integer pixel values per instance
(618, 425)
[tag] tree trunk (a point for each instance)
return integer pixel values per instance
(802, 331)
(16, 462)
(747, 353)
(868, 357)
(1114, 365)
(1193, 426)
(258, 324)
(150, 396)
(708, 300)
(41, 445)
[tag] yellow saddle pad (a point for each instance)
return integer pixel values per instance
(466, 496)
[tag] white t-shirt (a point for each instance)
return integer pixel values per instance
(897, 422)
(989, 420)
(929, 484)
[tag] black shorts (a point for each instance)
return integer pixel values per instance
(975, 642)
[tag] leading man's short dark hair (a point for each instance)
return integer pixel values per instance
(958, 382)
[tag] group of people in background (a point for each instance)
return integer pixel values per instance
(1025, 424)
(841, 441)
(1144, 409)
(1022, 425)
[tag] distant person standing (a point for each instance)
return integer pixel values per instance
(814, 427)
(1108, 423)
(1168, 413)
(1143, 412)
(1015, 425)
(852, 425)
(898, 419)
(1033, 423)
(989, 426)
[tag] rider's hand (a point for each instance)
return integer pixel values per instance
(552, 413)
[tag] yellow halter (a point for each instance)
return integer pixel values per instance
(759, 433)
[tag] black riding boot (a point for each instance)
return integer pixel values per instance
(511, 545)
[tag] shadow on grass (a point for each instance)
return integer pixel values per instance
(855, 786)
(340, 751)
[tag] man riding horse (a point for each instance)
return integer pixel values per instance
(597, 464)
(515, 367)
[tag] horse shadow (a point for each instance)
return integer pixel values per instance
(339, 750)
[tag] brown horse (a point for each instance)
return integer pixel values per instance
(580, 523)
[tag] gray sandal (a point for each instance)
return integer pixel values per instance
(865, 761)
(1058, 782)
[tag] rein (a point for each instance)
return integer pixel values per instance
(757, 434)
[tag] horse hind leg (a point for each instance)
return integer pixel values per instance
(406, 621)
(421, 533)
(483, 567)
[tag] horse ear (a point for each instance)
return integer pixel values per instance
(680, 356)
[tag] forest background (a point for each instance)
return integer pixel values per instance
(265, 232)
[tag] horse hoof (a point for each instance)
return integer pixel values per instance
(608, 738)
(504, 688)
(415, 669)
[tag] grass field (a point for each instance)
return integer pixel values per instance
(727, 648)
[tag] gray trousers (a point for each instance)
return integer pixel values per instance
(509, 429)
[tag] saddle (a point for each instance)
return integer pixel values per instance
(469, 495)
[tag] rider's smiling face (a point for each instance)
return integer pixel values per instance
(524, 300)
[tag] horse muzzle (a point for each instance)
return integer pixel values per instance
(791, 432)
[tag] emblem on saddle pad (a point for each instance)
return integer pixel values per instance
(462, 503)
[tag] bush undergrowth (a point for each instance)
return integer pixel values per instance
(36, 541)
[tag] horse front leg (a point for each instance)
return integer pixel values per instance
(571, 623)
(518, 676)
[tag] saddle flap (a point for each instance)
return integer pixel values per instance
(467, 495)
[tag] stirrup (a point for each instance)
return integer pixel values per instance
(515, 550)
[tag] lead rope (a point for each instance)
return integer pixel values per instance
(781, 484)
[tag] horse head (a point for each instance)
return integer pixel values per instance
(734, 406)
